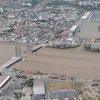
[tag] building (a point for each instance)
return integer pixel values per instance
(3, 80)
(72, 30)
(62, 95)
(39, 89)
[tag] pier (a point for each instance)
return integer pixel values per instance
(13, 59)
(36, 48)
(10, 62)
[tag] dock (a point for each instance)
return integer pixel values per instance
(36, 48)
(10, 62)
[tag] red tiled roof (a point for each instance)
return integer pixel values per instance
(64, 33)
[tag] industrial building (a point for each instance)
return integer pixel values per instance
(85, 16)
(3, 80)
(62, 95)
(72, 30)
(39, 89)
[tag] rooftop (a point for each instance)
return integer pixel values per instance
(38, 87)
(62, 94)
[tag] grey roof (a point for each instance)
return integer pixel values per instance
(62, 94)
(39, 87)
(39, 97)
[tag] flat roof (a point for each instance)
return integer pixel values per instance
(38, 87)
(86, 15)
(73, 28)
(4, 79)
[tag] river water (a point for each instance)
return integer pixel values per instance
(72, 62)
(95, 16)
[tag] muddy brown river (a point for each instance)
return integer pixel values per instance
(73, 62)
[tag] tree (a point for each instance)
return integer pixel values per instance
(30, 83)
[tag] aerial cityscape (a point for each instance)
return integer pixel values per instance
(49, 49)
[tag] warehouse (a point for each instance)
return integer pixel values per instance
(86, 15)
(3, 80)
(72, 30)
(39, 89)
(62, 94)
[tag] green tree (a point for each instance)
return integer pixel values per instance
(30, 83)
